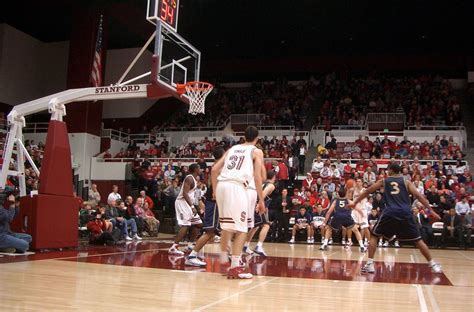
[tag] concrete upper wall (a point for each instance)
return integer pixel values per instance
(29, 68)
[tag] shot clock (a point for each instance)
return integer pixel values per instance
(165, 11)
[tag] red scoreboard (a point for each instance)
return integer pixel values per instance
(164, 10)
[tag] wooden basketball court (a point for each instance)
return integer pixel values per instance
(141, 276)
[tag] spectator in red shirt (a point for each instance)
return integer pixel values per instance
(360, 142)
(282, 174)
(147, 199)
(107, 154)
(309, 181)
(120, 154)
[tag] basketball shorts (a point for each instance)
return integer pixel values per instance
(339, 221)
(184, 214)
(362, 221)
(261, 219)
(405, 229)
(232, 203)
(252, 202)
(211, 216)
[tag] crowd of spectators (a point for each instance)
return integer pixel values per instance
(281, 103)
(114, 218)
(441, 148)
(425, 100)
(31, 178)
(450, 191)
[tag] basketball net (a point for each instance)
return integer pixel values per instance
(197, 91)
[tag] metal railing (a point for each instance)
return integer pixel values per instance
(115, 135)
(436, 128)
(99, 158)
(341, 127)
(36, 127)
(246, 119)
(386, 161)
(386, 118)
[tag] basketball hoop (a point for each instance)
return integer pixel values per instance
(197, 91)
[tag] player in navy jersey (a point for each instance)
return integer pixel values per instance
(262, 221)
(397, 218)
(211, 221)
(341, 218)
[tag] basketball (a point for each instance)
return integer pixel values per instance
(350, 183)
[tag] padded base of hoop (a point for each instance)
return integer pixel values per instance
(155, 91)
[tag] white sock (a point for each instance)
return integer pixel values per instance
(235, 261)
(247, 244)
(370, 261)
(224, 257)
(259, 244)
(431, 262)
(325, 241)
(174, 246)
(193, 254)
(293, 238)
(361, 243)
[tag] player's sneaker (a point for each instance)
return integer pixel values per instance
(217, 239)
(194, 261)
(308, 241)
(380, 243)
(436, 268)
(349, 243)
(385, 244)
(368, 268)
(239, 272)
(363, 249)
(323, 247)
(330, 241)
(189, 248)
(366, 243)
(127, 238)
(396, 244)
(260, 251)
(312, 240)
(292, 241)
(247, 251)
(137, 237)
(343, 242)
(175, 251)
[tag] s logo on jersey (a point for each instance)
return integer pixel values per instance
(243, 216)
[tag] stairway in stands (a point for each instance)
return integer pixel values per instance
(311, 120)
(468, 120)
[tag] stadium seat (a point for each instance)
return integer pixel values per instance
(437, 233)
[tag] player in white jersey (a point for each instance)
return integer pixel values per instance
(211, 222)
(186, 213)
(360, 215)
(231, 176)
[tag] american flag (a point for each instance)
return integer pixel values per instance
(96, 74)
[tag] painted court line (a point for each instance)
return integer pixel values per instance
(99, 255)
(421, 298)
(207, 306)
(434, 304)
(465, 256)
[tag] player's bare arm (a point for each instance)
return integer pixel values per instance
(371, 189)
(257, 156)
(421, 198)
(188, 184)
(215, 171)
(328, 214)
